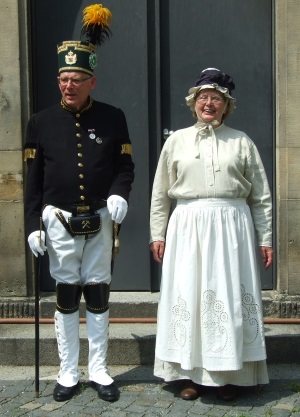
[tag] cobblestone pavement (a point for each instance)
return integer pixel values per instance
(143, 395)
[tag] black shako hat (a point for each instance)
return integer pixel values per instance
(80, 55)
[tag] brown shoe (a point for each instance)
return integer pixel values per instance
(227, 393)
(189, 390)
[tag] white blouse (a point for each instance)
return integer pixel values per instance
(202, 162)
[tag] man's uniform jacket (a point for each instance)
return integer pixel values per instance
(76, 158)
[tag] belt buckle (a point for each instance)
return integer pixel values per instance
(83, 209)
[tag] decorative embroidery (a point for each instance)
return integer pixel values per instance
(126, 149)
(214, 319)
(180, 329)
(93, 61)
(65, 106)
(71, 58)
(29, 153)
(250, 316)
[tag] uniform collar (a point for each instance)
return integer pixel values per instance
(71, 109)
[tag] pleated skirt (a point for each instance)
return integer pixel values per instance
(210, 323)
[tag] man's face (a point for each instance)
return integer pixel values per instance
(75, 88)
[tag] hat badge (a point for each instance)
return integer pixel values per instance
(71, 58)
(93, 61)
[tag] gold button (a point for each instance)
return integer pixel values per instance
(78, 135)
(77, 115)
(77, 124)
(82, 197)
(81, 176)
(80, 165)
(81, 187)
(79, 145)
(79, 155)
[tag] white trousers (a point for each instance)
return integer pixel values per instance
(76, 260)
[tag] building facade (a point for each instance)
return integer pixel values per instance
(23, 89)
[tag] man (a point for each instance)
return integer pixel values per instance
(79, 167)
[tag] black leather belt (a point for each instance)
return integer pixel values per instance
(81, 208)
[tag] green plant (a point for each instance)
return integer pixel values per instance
(295, 386)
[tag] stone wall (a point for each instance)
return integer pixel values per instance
(287, 49)
(13, 280)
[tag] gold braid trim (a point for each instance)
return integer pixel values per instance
(126, 148)
(65, 106)
(29, 153)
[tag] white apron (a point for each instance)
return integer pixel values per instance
(210, 310)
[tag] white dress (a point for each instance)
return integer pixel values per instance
(210, 325)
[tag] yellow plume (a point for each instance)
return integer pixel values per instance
(96, 14)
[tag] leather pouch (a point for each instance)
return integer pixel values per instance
(85, 224)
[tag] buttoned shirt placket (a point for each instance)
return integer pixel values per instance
(208, 141)
(80, 164)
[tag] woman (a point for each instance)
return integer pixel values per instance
(210, 326)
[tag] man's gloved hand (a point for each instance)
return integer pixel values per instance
(35, 244)
(117, 207)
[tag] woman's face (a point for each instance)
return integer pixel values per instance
(210, 105)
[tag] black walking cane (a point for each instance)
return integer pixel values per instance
(116, 244)
(37, 275)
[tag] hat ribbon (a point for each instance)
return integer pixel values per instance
(202, 130)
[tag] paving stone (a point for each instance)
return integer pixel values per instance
(145, 397)
(200, 410)
(280, 412)
(216, 412)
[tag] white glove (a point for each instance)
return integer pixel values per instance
(36, 246)
(117, 207)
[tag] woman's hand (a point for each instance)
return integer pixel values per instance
(267, 255)
(158, 250)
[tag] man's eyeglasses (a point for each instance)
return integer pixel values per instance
(74, 81)
(213, 99)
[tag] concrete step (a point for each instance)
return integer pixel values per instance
(130, 304)
(121, 304)
(129, 344)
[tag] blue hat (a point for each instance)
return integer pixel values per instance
(215, 76)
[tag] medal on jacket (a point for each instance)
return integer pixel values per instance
(92, 133)
(93, 136)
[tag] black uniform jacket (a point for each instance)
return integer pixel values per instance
(76, 157)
